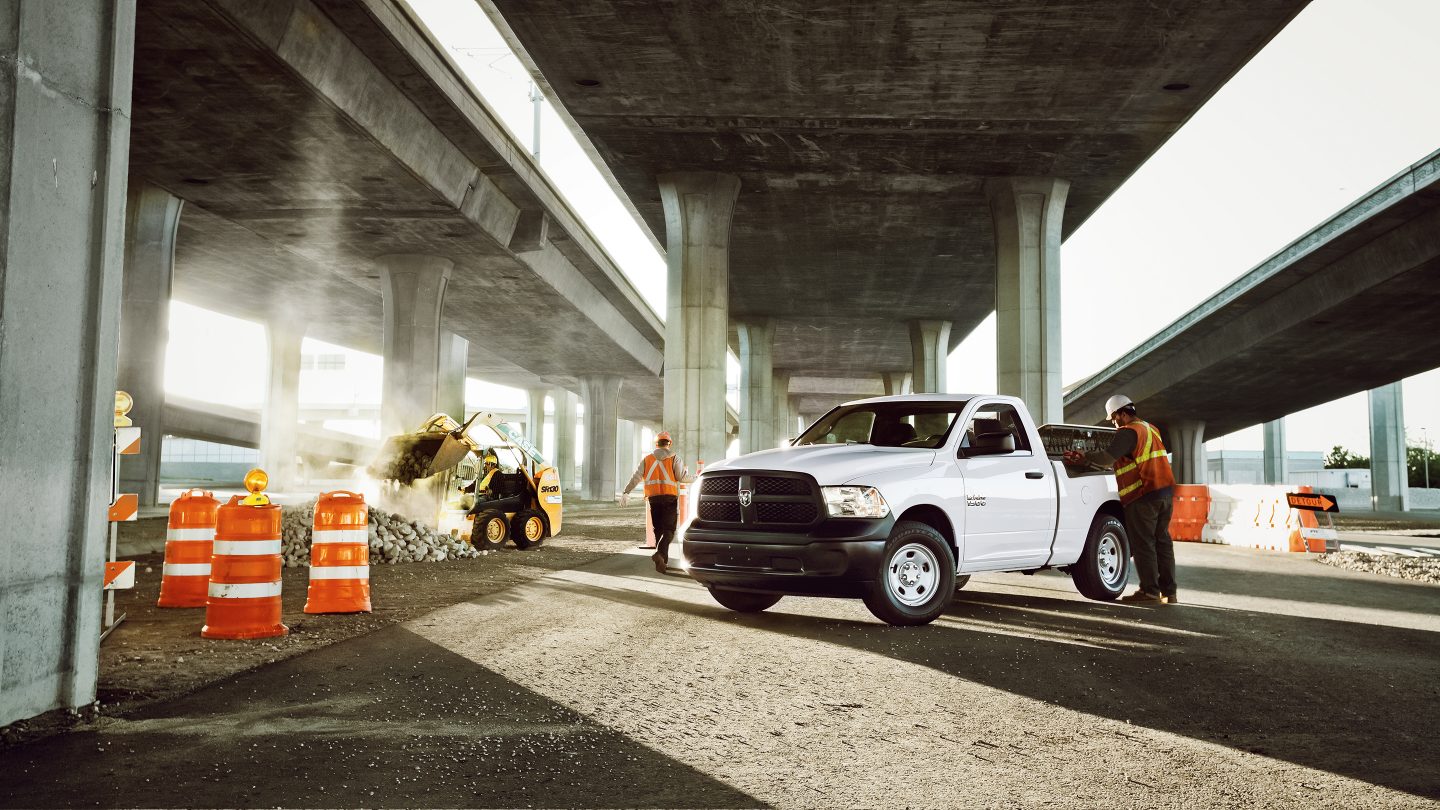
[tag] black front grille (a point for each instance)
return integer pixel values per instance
(785, 512)
(765, 485)
(719, 511)
(727, 485)
(785, 502)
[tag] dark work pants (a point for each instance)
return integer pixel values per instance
(1147, 521)
(663, 513)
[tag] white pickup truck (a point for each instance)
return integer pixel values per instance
(897, 500)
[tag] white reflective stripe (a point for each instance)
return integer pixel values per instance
(341, 536)
(245, 590)
(665, 471)
(187, 569)
(245, 548)
(339, 572)
(189, 534)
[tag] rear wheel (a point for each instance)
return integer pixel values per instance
(744, 601)
(917, 580)
(527, 528)
(1104, 565)
(491, 529)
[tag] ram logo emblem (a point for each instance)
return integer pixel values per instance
(745, 497)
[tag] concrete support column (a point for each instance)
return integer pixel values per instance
(280, 419)
(758, 419)
(1027, 213)
(602, 408)
(535, 419)
(1389, 478)
(563, 454)
(798, 423)
(1185, 439)
(413, 286)
(152, 219)
(784, 418)
(698, 210)
(454, 361)
(1274, 457)
(929, 349)
(65, 129)
(898, 382)
(626, 442)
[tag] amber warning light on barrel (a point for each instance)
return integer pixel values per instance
(255, 481)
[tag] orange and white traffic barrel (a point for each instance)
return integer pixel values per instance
(244, 592)
(185, 579)
(340, 555)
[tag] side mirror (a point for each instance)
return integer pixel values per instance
(992, 444)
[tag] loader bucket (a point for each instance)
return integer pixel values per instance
(412, 456)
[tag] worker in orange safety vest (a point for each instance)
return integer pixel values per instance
(662, 471)
(1146, 482)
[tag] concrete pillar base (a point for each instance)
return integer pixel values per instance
(563, 454)
(602, 406)
(280, 420)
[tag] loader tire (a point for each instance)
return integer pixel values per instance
(491, 529)
(528, 528)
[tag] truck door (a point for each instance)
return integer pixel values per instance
(1009, 492)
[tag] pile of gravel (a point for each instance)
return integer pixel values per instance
(393, 539)
(1424, 569)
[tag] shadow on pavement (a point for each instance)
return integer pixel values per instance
(1358, 700)
(388, 719)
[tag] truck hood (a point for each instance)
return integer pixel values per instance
(831, 464)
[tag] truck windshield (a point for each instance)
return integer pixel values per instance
(886, 424)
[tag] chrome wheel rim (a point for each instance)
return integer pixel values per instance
(1109, 563)
(912, 575)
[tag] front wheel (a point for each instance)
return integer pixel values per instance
(490, 530)
(917, 579)
(744, 601)
(1104, 565)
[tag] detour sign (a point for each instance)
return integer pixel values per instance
(1312, 501)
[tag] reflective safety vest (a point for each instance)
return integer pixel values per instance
(1148, 470)
(660, 478)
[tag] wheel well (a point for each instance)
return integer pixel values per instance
(1113, 509)
(935, 518)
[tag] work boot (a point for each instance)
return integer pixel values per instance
(1172, 599)
(659, 559)
(1142, 598)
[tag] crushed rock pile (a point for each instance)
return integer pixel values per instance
(393, 539)
(1393, 565)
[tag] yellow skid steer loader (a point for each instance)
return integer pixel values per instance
(521, 501)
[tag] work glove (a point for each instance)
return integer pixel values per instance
(624, 499)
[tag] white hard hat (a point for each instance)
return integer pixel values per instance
(1116, 402)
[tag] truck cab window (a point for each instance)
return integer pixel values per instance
(988, 428)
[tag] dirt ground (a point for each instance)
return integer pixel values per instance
(157, 654)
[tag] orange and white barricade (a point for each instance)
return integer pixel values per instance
(340, 555)
(185, 578)
(1259, 516)
(1191, 509)
(244, 591)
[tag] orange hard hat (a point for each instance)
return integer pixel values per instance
(662, 436)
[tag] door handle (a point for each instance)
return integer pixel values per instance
(1035, 474)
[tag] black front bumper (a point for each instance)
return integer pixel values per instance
(835, 558)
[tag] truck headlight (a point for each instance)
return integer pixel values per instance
(856, 502)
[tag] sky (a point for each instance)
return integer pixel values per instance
(1326, 112)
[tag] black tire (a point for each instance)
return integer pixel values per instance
(961, 582)
(745, 601)
(916, 580)
(489, 530)
(528, 528)
(1104, 565)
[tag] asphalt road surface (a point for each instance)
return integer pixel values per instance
(1277, 683)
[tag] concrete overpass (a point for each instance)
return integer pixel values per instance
(322, 168)
(1348, 307)
(863, 183)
